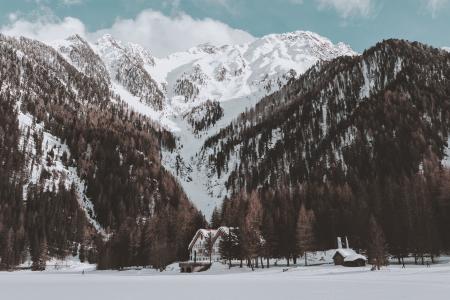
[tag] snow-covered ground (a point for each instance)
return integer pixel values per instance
(317, 282)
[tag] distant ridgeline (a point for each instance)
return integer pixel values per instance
(352, 138)
(354, 147)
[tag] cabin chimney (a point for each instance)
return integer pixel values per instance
(339, 242)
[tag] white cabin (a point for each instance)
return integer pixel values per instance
(197, 251)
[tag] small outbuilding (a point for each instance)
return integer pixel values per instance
(348, 257)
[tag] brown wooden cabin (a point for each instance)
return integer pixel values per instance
(349, 258)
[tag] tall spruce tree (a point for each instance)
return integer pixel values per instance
(306, 240)
(377, 244)
(209, 245)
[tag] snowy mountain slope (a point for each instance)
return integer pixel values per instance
(237, 77)
(54, 161)
(207, 72)
(173, 89)
(126, 65)
(446, 49)
(79, 53)
(330, 121)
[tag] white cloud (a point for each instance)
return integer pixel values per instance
(348, 8)
(45, 29)
(433, 6)
(163, 35)
(159, 33)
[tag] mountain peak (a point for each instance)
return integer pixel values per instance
(75, 37)
(108, 40)
(308, 38)
(134, 51)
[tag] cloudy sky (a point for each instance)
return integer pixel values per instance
(165, 26)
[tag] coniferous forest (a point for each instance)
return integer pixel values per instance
(322, 158)
(354, 147)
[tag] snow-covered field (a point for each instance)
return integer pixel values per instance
(318, 282)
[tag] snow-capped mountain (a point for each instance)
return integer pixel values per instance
(234, 77)
(196, 92)
(310, 129)
(222, 73)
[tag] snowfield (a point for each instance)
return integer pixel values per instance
(318, 282)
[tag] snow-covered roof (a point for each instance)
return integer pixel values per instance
(354, 257)
(202, 232)
(349, 254)
(205, 232)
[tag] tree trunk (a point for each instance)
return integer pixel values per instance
(240, 266)
(294, 258)
(262, 264)
(267, 262)
(306, 260)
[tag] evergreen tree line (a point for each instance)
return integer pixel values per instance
(399, 217)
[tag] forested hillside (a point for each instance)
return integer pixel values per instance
(101, 184)
(354, 139)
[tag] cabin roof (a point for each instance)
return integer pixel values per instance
(349, 254)
(201, 232)
(205, 232)
(355, 257)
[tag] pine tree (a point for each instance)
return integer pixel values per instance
(40, 263)
(82, 252)
(377, 244)
(216, 218)
(305, 232)
(251, 228)
(209, 245)
(270, 241)
(227, 246)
